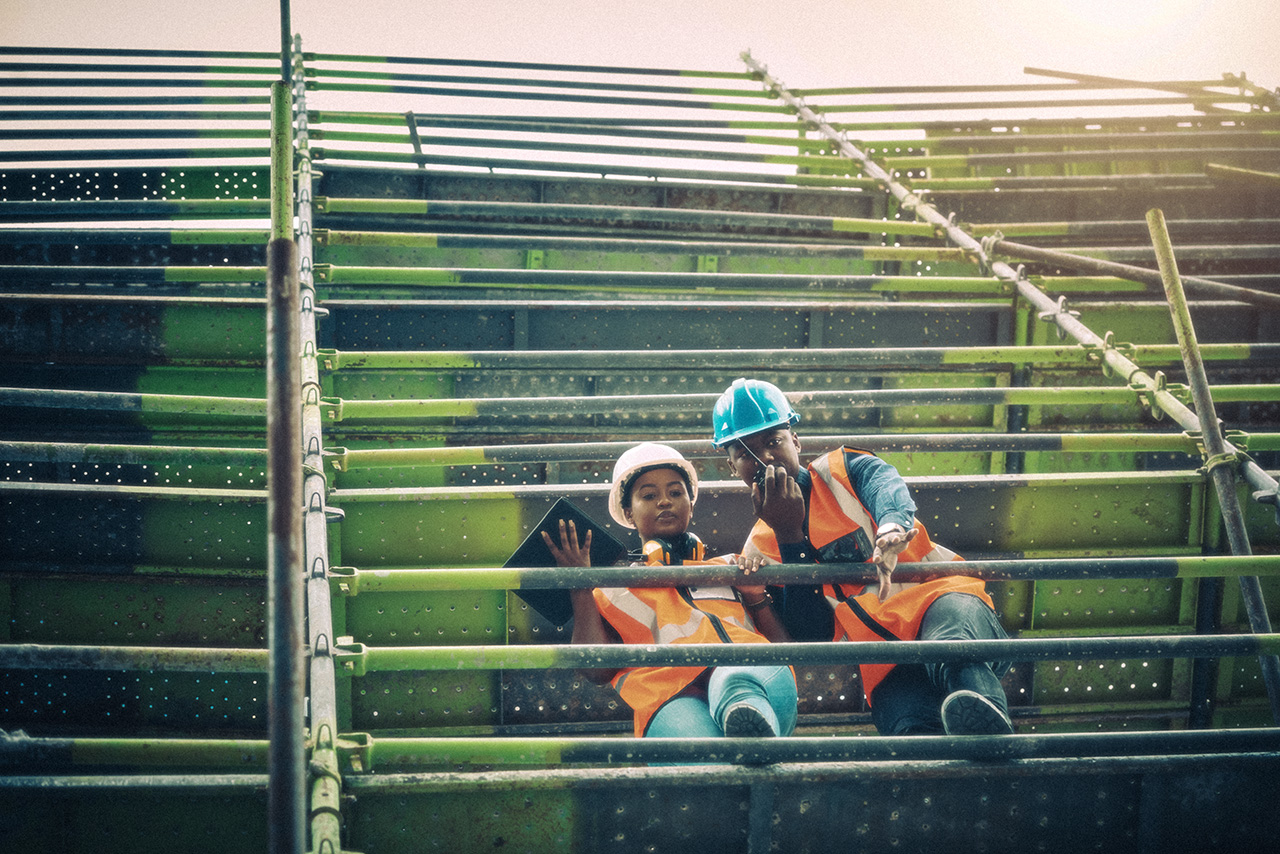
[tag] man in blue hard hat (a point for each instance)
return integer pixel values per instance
(849, 506)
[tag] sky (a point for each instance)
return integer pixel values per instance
(804, 43)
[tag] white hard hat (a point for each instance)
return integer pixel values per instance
(642, 458)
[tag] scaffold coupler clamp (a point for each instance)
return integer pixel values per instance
(988, 245)
(1059, 311)
(1098, 352)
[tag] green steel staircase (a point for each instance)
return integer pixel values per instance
(505, 274)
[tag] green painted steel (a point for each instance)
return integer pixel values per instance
(580, 407)
(133, 551)
(360, 659)
(810, 358)
(47, 657)
(352, 581)
(547, 751)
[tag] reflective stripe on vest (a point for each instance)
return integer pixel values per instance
(668, 615)
(834, 510)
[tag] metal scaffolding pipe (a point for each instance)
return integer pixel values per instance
(816, 359)
(326, 786)
(1049, 310)
(138, 209)
(152, 404)
(425, 240)
(286, 681)
(621, 214)
(381, 752)
(1219, 462)
(352, 581)
(48, 754)
(570, 408)
(29, 656)
(332, 274)
(360, 659)
(353, 459)
(1136, 274)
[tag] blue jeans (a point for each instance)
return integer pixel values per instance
(771, 689)
(909, 699)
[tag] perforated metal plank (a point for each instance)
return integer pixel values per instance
(120, 330)
(139, 819)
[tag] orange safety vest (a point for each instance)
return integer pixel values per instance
(661, 615)
(835, 512)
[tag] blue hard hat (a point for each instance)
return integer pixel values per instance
(749, 406)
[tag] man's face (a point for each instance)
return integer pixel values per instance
(776, 447)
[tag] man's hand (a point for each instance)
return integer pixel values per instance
(889, 544)
(779, 503)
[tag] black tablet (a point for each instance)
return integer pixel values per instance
(554, 605)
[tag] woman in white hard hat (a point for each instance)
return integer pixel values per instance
(654, 489)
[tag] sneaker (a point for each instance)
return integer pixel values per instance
(744, 720)
(970, 713)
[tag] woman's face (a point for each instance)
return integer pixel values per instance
(660, 506)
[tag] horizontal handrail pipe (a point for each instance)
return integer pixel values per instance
(129, 82)
(148, 404)
(779, 176)
(1026, 103)
(808, 161)
(571, 408)
(136, 209)
(90, 155)
(891, 770)
(322, 74)
(815, 358)
(124, 785)
(1198, 154)
(138, 52)
(28, 656)
(356, 459)
(312, 57)
(426, 240)
(134, 115)
(581, 127)
(379, 752)
(336, 275)
(353, 581)
(50, 754)
(321, 84)
(189, 100)
(52, 235)
(150, 455)
(619, 214)
(359, 659)
(139, 275)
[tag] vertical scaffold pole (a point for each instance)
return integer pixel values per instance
(1219, 462)
(326, 785)
(285, 708)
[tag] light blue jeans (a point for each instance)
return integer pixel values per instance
(770, 689)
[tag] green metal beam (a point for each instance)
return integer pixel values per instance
(352, 581)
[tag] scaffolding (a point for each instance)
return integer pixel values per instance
(298, 352)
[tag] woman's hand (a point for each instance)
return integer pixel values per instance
(748, 565)
(569, 552)
(885, 556)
